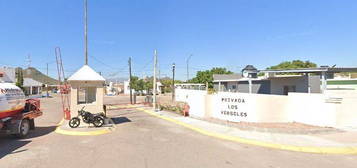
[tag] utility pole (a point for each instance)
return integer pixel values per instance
(158, 67)
(28, 60)
(173, 82)
(188, 73)
(85, 34)
(47, 80)
(131, 95)
(154, 81)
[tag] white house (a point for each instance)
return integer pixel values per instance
(7, 75)
(32, 87)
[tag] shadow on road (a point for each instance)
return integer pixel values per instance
(120, 120)
(9, 144)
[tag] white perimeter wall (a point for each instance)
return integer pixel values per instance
(313, 109)
(194, 98)
(248, 107)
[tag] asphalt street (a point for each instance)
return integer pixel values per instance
(143, 141)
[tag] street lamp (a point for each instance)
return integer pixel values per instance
(188, 73)
(173, 82)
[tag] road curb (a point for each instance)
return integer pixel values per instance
(119, 106)
(306, 149)
(81, 133)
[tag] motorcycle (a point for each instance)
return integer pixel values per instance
(96, 119)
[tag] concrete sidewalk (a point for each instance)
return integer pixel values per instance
(85, 129)
(344, 142)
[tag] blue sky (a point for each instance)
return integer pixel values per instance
(219, 33)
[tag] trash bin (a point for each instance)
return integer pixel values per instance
(134, 98)
(186, 110)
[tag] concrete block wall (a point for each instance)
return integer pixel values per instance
(346, 115)
(313, 109)
(195, 99)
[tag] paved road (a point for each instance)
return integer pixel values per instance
(141, 140)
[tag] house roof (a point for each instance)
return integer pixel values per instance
(86, 73)
(227, 77)
(249, 68)
(31, 82)
(311, 70)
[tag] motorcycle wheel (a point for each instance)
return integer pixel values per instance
(98, 121)
(74, 122)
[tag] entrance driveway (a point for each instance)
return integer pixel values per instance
(141, 140)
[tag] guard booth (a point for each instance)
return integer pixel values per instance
(87, 89)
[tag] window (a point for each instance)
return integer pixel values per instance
(252, 75)
(86, 95)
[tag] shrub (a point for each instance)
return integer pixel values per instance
(176, 107)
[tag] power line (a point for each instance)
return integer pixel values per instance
(96, 59)
(106, 65)
(115, 73)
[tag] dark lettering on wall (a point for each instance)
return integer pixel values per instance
(234, 113)
(233, 107)
(233, 100)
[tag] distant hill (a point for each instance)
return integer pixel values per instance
(38, 76)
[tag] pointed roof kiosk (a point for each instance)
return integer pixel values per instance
(87, 89)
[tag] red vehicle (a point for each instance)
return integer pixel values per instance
(17, 114)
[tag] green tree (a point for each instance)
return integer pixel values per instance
(207, 76)
(294, 65)
(19, 78)
(140, 85)
(148, 84)
(134, 82)
(167, 85)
